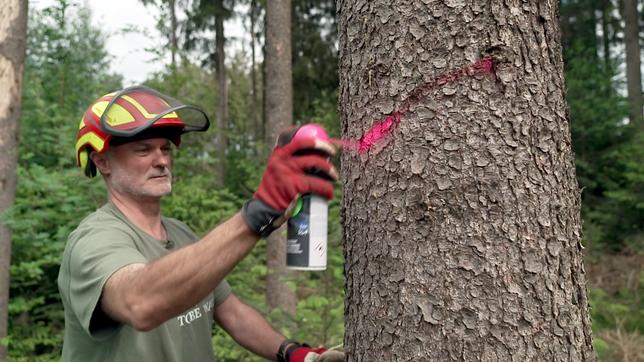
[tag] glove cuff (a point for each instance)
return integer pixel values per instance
(261, 218)
(286, 348)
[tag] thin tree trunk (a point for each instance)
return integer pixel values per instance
(222, 82)
(264, 128)
(13, 40)
(606, 9)
(174, 46)
(279, 116)
(254, 102)
(462, 230)
(633, 63)
(62, 24)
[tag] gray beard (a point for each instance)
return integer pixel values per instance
(122, 183)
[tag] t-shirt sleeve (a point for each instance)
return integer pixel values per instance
(93, 259)
(222, 292)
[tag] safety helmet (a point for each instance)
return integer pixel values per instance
(131, 114)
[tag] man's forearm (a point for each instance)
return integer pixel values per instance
(260, 337)
(150, 295)
(248, 328)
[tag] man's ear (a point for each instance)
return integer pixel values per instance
(101, 161)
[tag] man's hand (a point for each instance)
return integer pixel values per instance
(294, 168)
(306, 354)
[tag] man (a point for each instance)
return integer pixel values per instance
(137, 286)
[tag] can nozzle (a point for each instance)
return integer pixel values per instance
(311, 130)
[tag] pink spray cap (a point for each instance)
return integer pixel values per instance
(311, 130)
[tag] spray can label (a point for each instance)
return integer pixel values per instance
(306, 243)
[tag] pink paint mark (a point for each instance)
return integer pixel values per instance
(378, 132)
(381, 129)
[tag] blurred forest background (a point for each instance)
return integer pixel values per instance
(67, 67)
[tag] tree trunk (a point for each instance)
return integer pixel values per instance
(279, 116)
(174, 46)
(462, 230)
(13, 40)
(61, 54)
(606, 8)
(633, 63)
(264, 128)
(254, 102)
(222, 82)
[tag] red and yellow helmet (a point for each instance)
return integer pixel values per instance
(133, 113)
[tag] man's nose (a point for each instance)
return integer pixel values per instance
(162, 158)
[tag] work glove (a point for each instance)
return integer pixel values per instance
(294, 168)
(306, 354)
(292, 351)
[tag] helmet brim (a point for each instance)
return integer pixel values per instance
(151, 109)
(171, 133)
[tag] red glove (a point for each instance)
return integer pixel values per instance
(294, 168)
(306, 354)
(292, 351)
(288, 175)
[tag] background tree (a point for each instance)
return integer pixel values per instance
(596, 129)
(13, 41)
(222, 109)
(51, 194)
(210, 16)
(633, 63)
(279, 116)
(255, 105)
(315, 59)
(456, 248)
(607, 150)
(170, 30)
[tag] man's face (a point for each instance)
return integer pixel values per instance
(142, 168)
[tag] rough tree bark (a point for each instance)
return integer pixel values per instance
(633, 62)
(462, 231)
(222, 83)
(13, 40)
(279, 115)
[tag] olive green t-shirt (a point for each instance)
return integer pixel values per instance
(104, 242)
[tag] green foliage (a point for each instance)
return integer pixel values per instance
(66, 57)
(48, 205)
(66, 68)
(624, 206)
(601, 347)
(315, 57)
(608, 149)
(197, 203)
(608, 155)
(624, 309)
(597, 113)
(617, 309)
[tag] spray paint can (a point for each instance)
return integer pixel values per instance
(306, 235)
